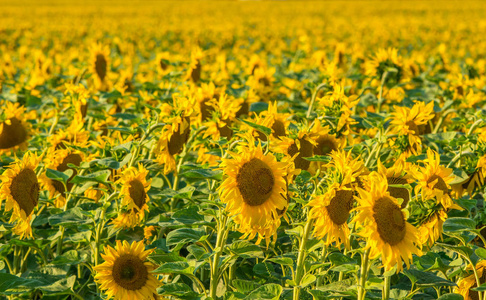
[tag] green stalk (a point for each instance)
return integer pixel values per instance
(363, 275)
(220, 241)
(386, 288)
(299, 273)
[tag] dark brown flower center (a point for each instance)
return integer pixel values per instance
(178, 139)
(163, 65)
(255, 181)
(390, 221)
(324, 145)
(278, 128)
(340, 206)
(129, 272)
(265, 81)
(398, 192)
(206, 109)
(196, 72)
(225, 131)
(13, 134)
(304, 151)
(137, 193)
(412, 126)
(74, 159)
(25, 190)
(440, 184)
(101, 66)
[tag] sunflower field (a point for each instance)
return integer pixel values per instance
(242, 150)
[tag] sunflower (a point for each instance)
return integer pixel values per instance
(125, 274)
(99, 65)
(14, 129)
(431, 229)
(175, 133)
(219, 125)
(473, 182)
(465, 285)
(162, 62)
(384, 225)
(253, 191)
(396, 175)
(277, 122)
(20, 189)
(336, 104)
(74, 134)
(384, 60)
(433, 181)
(412, 121)
(59, 160)
(262, 82)
(332, 209)
(195, 66)
(134, 197)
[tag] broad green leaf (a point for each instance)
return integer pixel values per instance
(199, 252)
(458, 224)
(179, 290)
(466, 251)
(245, 249)
(451, 297)
(266, 292)
(203, 174)
(481, 252)
(308, 279)
(245, 286)
(160, 257)
(267, 131)
(58, 175)
(184, 236)
(258, 107)
(480, 288)
(72, 217)
(100, 177)
(178, 267)
(9, 281)
(427, 279)
(285, 261)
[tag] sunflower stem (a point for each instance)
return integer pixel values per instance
(386, 288)
(363, 275)
(299, 273)
(313, 99)
(380, 95)
(220, 241)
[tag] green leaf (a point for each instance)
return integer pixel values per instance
(451, 297)
(285, 261)
(458, 224)
(426, 279)
(481, 252)
(178, 267)
(108, 162)
(308, 279)
(58, 175)
(258, 107)
(245, 249)
(203, 174)
(270, 291)
(9, 281)
(184, 236)
(480, 288)
(199, 252)
(160, 257)
(245, 286)
(179, 290)
(188, 215)
(267, 131)
(321, 158)
(100, 177)
(466, 251)
(73, 217)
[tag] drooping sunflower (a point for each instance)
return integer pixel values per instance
(134, 189)
(412, 121)
(195, 66)
(383, 61)
(331, 210)
(125, 274)
(59, 160)
(431, 229)
(99, 65)
(14, 130)
(465, 285)
(20, 190)
(220, 123)
(474, 182)
(253, 191)
(175, 133)
(384, 225)
(277, 122)
(433, 181)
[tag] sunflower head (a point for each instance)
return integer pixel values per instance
(99, 65)
(253, 191)
(384, 224)
(134, 192)
(396, 175)
(14, 130)
(125, 274)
